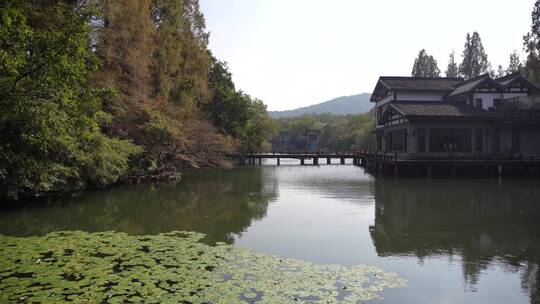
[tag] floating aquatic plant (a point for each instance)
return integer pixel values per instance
(173, 267)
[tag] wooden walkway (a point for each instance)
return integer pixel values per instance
(448, 164)
(253, 158)
(402, 164)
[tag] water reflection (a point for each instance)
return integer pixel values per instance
(220, 207)
(486, 223)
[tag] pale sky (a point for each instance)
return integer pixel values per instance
(293, 53)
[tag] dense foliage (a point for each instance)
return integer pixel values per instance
(425, 66)
(49, 134)
(531, 43)
(93, 90)
(474, 58)
(452, 69)
(339, 132)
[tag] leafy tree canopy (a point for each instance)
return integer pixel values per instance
(474, 58)
(425, 66)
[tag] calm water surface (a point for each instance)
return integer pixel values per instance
(455, 241)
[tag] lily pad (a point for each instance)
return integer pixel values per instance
(174, 267)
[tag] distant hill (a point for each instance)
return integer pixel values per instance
(354, 104)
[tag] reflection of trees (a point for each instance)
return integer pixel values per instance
(217, 203)
(482, 221)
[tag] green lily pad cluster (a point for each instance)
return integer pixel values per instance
(174, 267)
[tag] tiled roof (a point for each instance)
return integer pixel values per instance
(469, 85)
(420, 83)
(504, 81)
(394, 83)
(440, 109)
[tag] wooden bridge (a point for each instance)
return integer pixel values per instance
(407, 164)
(304, 157)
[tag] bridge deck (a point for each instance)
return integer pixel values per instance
(299, 155)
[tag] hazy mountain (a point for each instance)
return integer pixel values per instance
(354, 104)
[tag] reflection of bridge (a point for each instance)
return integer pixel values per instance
(252, 158)
(444, 164)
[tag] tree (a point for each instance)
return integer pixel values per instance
(49, 134)
(425, 66)
(531, 43)
(500, 72)
(452, 69)
(515, 63)
(228, 109)
(475, 60)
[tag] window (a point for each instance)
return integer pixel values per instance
(515, 140)
(379, 143)
(449, 140)
(421, 140)
(398, 140)
(479, 140)
(312, 137)
(379, 115)
(496, 133)
(478, 103)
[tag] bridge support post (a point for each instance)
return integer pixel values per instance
(315, 160)
(396, 170)
(343, 160)
(328, 160)
(500, 170)
(278, 161)
(302, 162)
(260, 161)
(453, 171)
(429, 171)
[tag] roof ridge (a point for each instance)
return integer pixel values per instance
(421, 78)
(474, 79)
(509, 76)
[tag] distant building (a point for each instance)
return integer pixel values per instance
(479, 116)
(308, 140)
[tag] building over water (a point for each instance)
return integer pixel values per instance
(305, 141)
(441, 116)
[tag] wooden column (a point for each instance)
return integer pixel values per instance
(396, 170)
(453, 171)
(328, 160)
(302, 161)
(343, 161)
(260, 161)
(429, 171)
(315, 160)
(278, 161)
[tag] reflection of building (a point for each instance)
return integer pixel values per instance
(430, 116)
(483, 222)
(308, 140)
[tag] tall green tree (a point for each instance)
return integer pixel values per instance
(425, 66)
(500, 72)
(452, 68)
(474, 58)
(49, 134)
(228, 109)
(514, 64)
(531, 43)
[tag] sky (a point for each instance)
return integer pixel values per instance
(293, 53)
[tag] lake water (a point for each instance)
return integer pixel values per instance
(454, 241)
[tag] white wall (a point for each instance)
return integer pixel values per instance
(385, 100)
